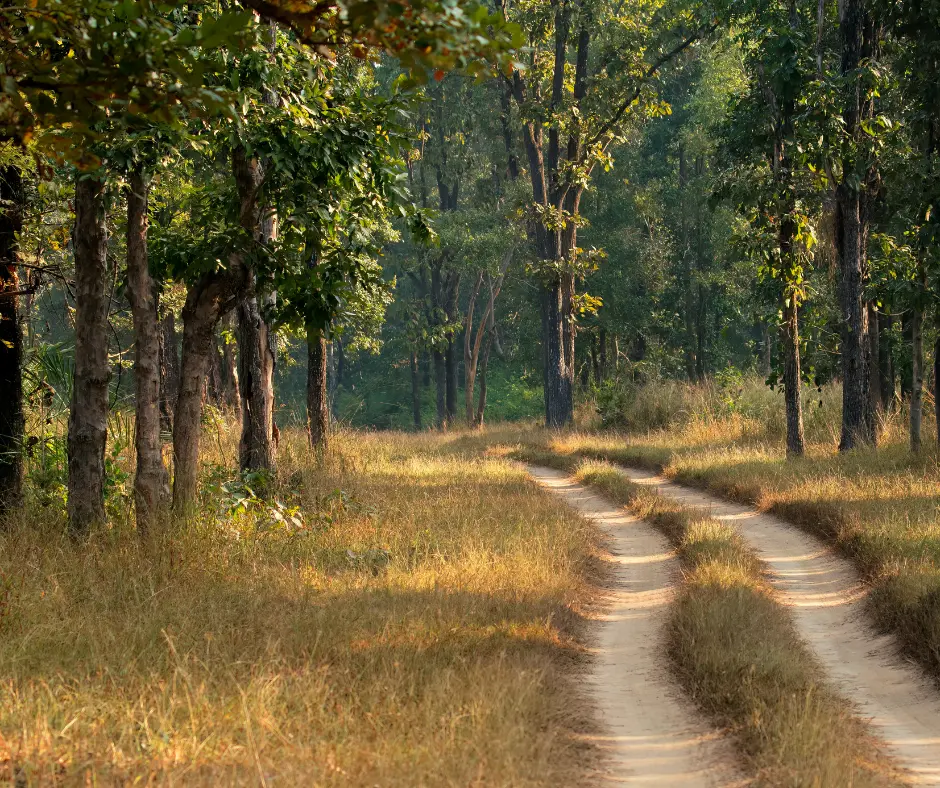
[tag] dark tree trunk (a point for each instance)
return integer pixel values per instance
(415, 390)
(340, 362)
(595, 360)
(484, 365)
(318, 406)
(859, 43)
(169, 371)
(790, 336)
(451, 355)
(88, 415)
(11, 340)
(440, 385)
(936, 383)
(886, 368)
(151, 481)
(602, 361)
(874, 368)
(426, 370)
(917, 377)
(255, 372)
(558, 403)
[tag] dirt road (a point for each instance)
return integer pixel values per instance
(653, 736)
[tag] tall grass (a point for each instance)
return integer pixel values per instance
(405, 614)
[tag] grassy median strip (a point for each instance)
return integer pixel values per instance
(879, 508)
(737, 653)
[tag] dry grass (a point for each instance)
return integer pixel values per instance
(881, 508)
(242, 651)
(737, 652)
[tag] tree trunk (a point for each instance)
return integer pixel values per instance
(231, 390)
(88, 415)
(212, 296)
(318, 406)
(602, 361)
(415, 390)
(169, 371)
(450, 355)
(852, 225)
(595, 360)
(874, 369)
(790, 336)
(558, 404)
(440, 387)
(936, 383)
(886, 368)
(471, 349)
(11, 347)
(484, 364)
(151, 481)
(917, 377)
(255, 371)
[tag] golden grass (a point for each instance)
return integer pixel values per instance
(423, 630)
(736, 650)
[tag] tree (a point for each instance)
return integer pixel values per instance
(584, 105)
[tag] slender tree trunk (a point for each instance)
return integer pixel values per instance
(415, 390)
(917, 377)
(318, 410)
(602, 342)
(88, 415)
(790, 336)
(471, 350)
(450, 355)
(874, 368)
(11, 340)
(484, 364)
(936, 382)
(169, 371)
(440, 385)
(886, 368)
(151, 481)
(230, 386)
(255, 367)
(595, 360)
(852, 223)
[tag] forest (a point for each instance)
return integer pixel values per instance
(439, 392)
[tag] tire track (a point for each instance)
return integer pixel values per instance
(827, 597)
(653, 736)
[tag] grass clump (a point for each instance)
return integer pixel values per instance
(736, 651)
(418, 626)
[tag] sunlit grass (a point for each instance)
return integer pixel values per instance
(421, 629)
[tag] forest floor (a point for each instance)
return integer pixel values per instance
(424, 625)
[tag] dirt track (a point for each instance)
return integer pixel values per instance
(827, 597)
(654, 737)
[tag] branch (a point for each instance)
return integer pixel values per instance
(649, 73)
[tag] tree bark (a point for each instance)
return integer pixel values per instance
(11, 340)
(151, 481)
(440, 388)
(415, 390)
(318, 406)
(255, 371)
(917, 377)
(450, 354)
(874, 368)
(791, 376)
(859, 43)
(169, 371)
(602, 352)
(471, 349)
(88, 415)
